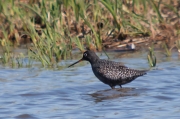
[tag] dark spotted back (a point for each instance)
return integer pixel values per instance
(115, 71)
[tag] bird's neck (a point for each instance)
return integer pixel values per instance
(94, 60)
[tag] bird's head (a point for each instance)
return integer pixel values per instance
(88, 56)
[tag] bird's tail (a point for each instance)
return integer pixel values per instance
(143, 72)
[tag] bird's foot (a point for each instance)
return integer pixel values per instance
(113, 87)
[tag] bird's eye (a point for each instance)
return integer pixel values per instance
(85, 54)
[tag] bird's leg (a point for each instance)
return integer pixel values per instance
(120, 86)
(113, 87)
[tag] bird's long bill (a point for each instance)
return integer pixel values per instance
(75, 63)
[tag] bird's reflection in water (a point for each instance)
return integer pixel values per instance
(99, 96)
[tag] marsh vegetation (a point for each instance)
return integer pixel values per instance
(51, 29)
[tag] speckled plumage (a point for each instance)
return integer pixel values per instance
(109, 72)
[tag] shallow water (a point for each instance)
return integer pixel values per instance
(75, 93)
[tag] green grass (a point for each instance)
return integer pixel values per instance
(151, 57)
(61, 21)
(167, 50)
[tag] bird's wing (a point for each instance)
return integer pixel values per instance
(117, 71)
(109, 69)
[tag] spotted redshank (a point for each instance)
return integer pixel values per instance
(110, 72)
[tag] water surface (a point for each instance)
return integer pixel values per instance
(75, 93)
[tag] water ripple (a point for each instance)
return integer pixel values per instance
(75, 93)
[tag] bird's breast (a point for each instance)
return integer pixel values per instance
(99, 74)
